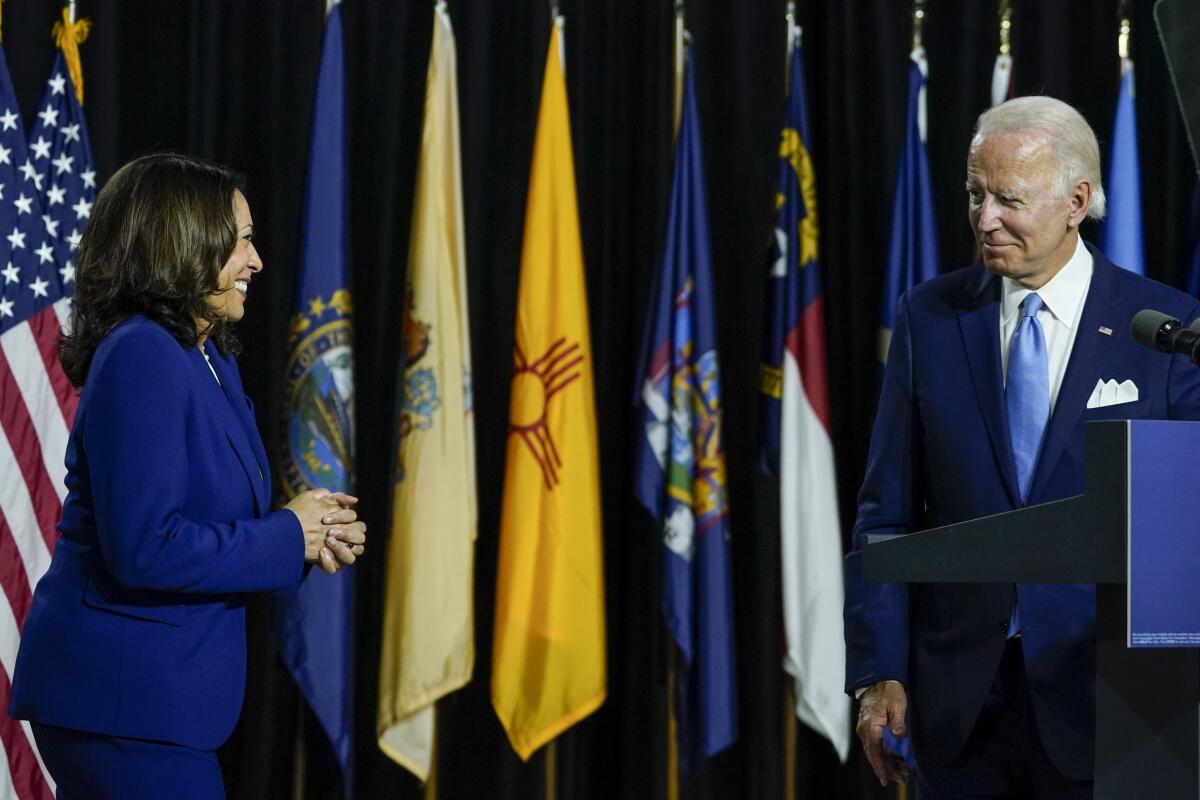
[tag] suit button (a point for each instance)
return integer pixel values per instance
(1002, 627)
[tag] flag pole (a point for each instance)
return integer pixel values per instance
(680, 59)
(790, 734)
(790, 738)
(672, 724)
(71, 11)
(1124, 31)
(1006, 12)
(680, 47)
(431, 780)
(918, 22)
(299, 753)
(1002, 75)
(550, 764)
(550, 759)
(918, 17)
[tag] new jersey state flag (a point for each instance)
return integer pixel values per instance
(795, 442)
(548, 659)
(428, 614)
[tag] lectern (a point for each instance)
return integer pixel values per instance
(1135, 532)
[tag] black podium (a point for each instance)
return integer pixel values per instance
(1147, 699)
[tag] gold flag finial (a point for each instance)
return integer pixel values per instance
(68, 35)
(918, 22)
(1006, 12)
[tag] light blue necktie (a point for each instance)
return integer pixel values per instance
(1027, 396)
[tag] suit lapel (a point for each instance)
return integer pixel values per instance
(230, 405)
(979, 321)
(1089, 354)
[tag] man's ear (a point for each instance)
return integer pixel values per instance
(1080, 199)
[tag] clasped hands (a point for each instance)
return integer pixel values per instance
(333, 536)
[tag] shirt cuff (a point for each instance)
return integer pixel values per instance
(858, 693)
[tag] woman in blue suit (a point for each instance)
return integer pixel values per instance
(132, 660)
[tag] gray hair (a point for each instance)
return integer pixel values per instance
(1073, 142)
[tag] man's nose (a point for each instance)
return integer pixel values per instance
(989, 215)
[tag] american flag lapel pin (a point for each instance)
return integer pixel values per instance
(1107, 331)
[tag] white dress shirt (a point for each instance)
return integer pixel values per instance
(1062, 297)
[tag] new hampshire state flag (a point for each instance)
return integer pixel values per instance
(795, 442)
(548, 657)
(681, 461)
(428, 647)
(314, 627)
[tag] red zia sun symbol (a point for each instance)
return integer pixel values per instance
(533, 386)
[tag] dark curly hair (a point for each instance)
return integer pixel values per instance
(159, 233)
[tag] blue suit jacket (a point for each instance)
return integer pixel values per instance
(138, 627)
(940, 454)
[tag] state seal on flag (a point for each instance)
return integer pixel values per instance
(318, 384)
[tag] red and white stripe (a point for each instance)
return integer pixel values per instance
(37, 406)
(811, 549)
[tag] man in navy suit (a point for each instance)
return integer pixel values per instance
(992, 374)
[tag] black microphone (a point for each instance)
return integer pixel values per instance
(1164, 333)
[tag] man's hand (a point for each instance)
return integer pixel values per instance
(882, 705)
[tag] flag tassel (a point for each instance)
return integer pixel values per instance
(68, 34)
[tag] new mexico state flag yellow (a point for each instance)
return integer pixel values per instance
(548, 661)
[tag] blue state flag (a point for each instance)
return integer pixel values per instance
(1121, 233)
(680, 473)
(913, 247)
(314, 626)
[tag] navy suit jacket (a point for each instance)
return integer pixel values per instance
(940, 454)
(138, 627)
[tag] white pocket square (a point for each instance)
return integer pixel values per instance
(1111, 393)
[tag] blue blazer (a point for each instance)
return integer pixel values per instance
(940, 454)
(138, 627)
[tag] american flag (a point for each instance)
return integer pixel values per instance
(46, 190)
(58, 166)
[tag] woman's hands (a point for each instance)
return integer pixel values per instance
(333, 536)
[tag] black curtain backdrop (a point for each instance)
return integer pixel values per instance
(235, 81)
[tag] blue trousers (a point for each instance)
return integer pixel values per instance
(1004, 756)
(92, 766)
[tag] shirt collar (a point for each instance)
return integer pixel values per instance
(1062, 295)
